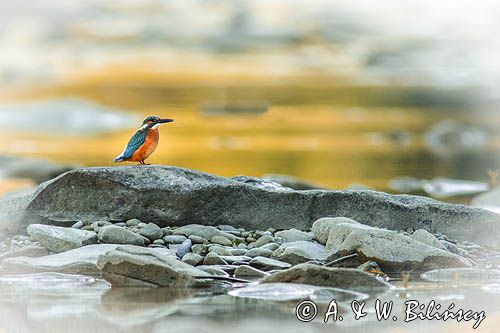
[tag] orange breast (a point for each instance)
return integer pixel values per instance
(148, 147)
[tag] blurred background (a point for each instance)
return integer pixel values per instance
(334, 93)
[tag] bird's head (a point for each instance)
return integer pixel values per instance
(154, 122)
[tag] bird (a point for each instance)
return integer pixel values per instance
(144, 142)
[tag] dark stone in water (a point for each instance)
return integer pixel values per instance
(175, 196)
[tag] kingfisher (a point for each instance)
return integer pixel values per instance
(144, 142)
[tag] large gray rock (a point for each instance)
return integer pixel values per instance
(391, 250)
(298, 252)
(79, 261)
(343, 278)
(174, 196)
(133, 265)
(59, 239)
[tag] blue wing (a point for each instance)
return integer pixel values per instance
(134, 143)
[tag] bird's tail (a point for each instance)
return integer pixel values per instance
(118, 158)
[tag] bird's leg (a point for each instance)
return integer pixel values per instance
(141, 163)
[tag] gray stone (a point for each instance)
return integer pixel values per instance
(197, 239)
(343, 278)
(270, 246)
(266, 239)
(259, 252)
(213, 270)
(268, 264)
(59, 239)
(12, 208)
(79, 261)
(192, 259)
(204, 231)
(301, 251)
(200, 249)
(391, 250)
(213, 259)
(151, 231)
(292, 235)
(159, 242)
(227, 251)
(78, 225)
(138, 266)
(235, 259)
(426, 237)
(321, 227)
(174, 239)
(118, 235)
(181, 196)
(488, 199)
(221, 240)
(249, 271)
(133, 222)
(184, 248)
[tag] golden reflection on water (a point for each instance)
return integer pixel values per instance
(315, 129)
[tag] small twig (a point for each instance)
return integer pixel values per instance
(341, 259)
(222, 278)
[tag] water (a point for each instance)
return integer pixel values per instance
(98, 308)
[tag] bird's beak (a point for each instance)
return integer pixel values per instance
(166, 120)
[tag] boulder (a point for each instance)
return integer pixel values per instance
(59, 239)
(117, 235)
(343, 278)
(298, 252)
(393, 251)
(138, 266)
(78, 261)
(12, 210)
(170, 196)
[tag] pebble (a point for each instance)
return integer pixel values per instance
(213, 258)
(192, 259)
(78, 225)
(265, 239)
(159, 242)
(213, 270)
(117, 235)
(151, 231)
(174, 239)
(267, 264)
(221, 240)
(249, 271)
(197, 239)
(133, 222)
(270, 246)
(259, 252)
(184, 248)
(200, 249)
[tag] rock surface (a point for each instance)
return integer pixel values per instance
(79, 261)
(59, 239)
(299, 252)
(292, 235)
(181, 196)
(133, 265)
(391, 250)
(344, 278)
